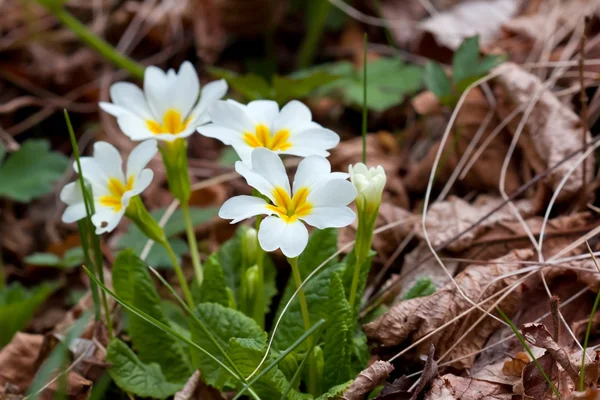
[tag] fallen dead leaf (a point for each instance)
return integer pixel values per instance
(534, 383)
(420, 316)
(515, 366)
(190, 387)
(367, 380)
(452, 387)
(18, 360)
(552, 130)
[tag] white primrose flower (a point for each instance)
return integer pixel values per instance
(111, 188)
(168, 108)
(318, 198)
(261, 124)
(369, 183)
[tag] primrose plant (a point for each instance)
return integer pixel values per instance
(314, 347)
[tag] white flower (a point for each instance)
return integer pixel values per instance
(319, 198)
(261, 124)
(168, 108)
(112, 189)
(369, 183)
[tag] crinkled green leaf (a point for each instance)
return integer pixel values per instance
(214, 288)
(467, 66)
(321, 245)
(72, 258)
(422, 287)
(132, 282)
(251, 86)
(31, 171)
(437, 81)
(224, 324)
(338, 347)
(335, 391)
(135, 240)
(17, 307)
(133, 376)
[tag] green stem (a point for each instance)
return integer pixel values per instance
(193, 244)
(312, 373)
(94, 41)
(259, 301)
(364, 237)
(354, 287)
(179, 272)
(364, 110)
(585, 341)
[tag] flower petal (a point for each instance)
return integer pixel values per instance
(211, 93)
(232, 115)
(143, 180)
(295, 239)
(226, 135)
(292, 116)
(263, 111)
(74, 212)
(317, 139)
(310, 171)
(106, 220)
(109, 160)
(113, 109)
(131, 98)
(270, 233)
(268, 165)
(255, 180)
(156, 85)
(183, 93)
(336, 192)
(239, 208)
(140, 156)
(134, 127)
(329, 217)
(71, 193)
(93, 174)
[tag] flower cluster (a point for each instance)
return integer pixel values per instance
(171, 107)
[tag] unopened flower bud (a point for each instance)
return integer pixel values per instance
(369, 183)
(250, 244)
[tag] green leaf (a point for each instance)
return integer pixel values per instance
(467, 67)
(214, 288)
(422, 287)
(389, 80)
(17, 307)
(251, 86)
(31, 171)
(337, 350)
(133, 376)
(135, 240)
(133, 283)
(321, 245)
(335, 391)
(72, 258)
(2, 152)
(437, 81)
(288, 88)
(224, 324)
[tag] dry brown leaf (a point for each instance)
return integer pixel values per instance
(190, 387)
(18, 360)
(452, 387)
(405, 16)
(367, 380)
(445, 219)
(551, 132)
(514, 366)
(418, 317)
(534, 383)
(469, 18)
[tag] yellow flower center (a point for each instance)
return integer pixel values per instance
(289, 209)
(117, 189)
(172, 123)
(262, 138)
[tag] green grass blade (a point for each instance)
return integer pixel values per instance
(589, 326)
(528, 349)
(364, 110)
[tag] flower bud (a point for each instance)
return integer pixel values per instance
(369, 183)
(250, 245)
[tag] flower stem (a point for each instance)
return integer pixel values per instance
(259, 301)
(179, 272)
(94, 41)
(364, 238)
(192, 243)
(312, 373)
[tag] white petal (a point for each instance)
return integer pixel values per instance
(105, 219)
(183, 93)
(156, 86)
(225, 135)
(130, 97)
(329, 217)
(113, 109)
(134, 127)
(243, 151)
(255, 180)
(239, 208)
(232, 115)
(109, 160)
(268, 165)
(336, 192)
(93, 174)
(310, 171)
(142, 181)
(270, 233)
(294, 114)
(263, 111)
(74, 212)
(318, 139)
(71, 193)
(211, 93)
(295, 239)
(140, 156)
